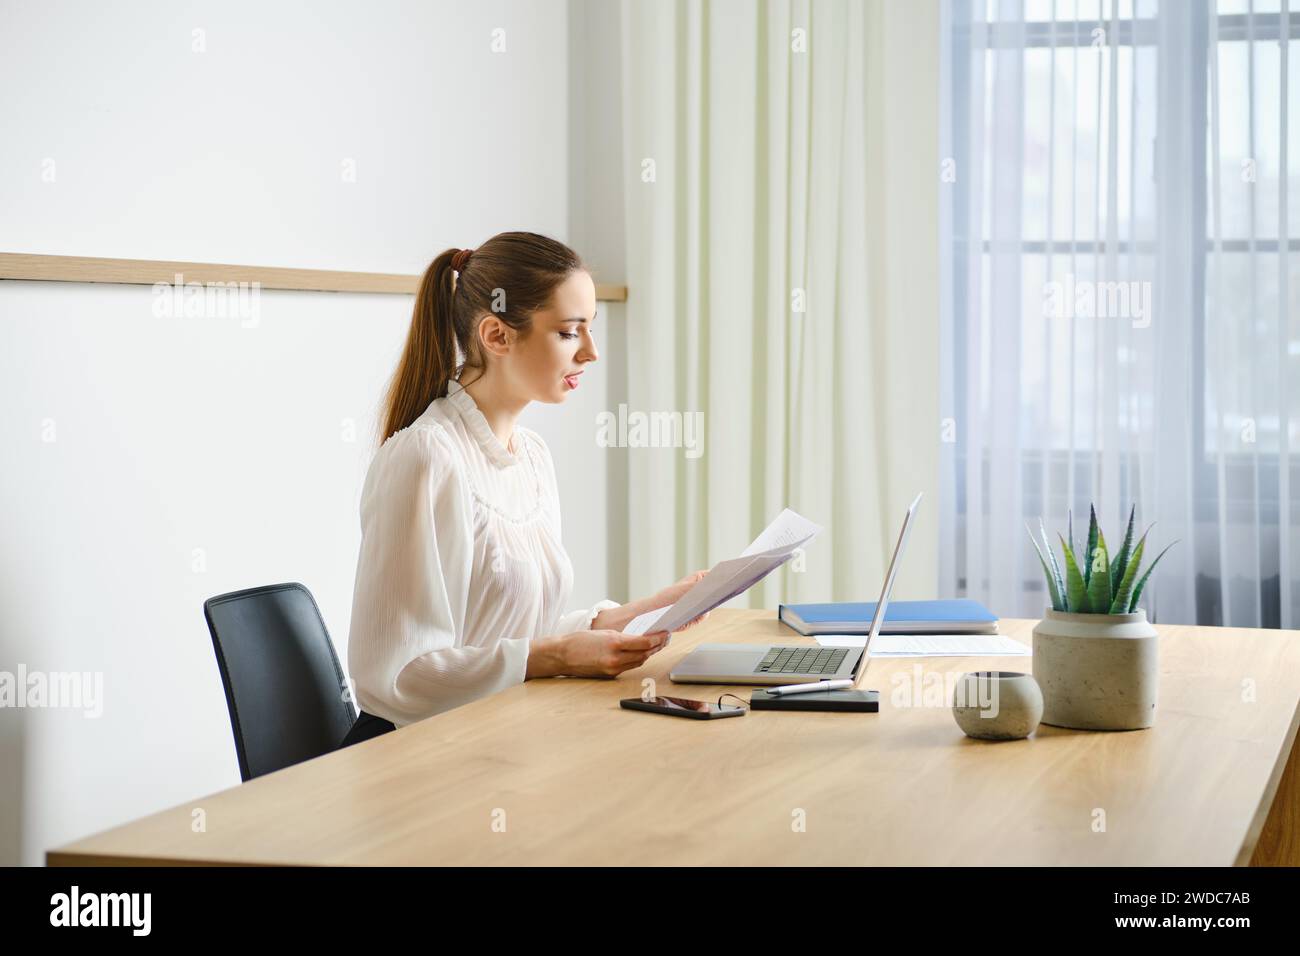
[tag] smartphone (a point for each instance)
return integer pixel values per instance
(683, 707)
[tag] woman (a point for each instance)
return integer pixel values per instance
(462, 579)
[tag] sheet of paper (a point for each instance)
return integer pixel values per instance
(643, 623)
(788, 531)
(772, 548)
(931, 645)
(725, 580)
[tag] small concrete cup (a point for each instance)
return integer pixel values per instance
(997, 705)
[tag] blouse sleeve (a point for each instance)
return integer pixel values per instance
(412, 588)
(581, 619)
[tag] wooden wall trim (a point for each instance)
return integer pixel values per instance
(43, 268)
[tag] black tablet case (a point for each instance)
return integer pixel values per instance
(847, 701)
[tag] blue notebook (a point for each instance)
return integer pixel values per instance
(960, 616)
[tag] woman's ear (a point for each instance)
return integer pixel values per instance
(495, 336)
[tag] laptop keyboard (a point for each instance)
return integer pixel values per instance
(802, 660)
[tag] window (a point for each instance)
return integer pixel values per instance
(1121, 311)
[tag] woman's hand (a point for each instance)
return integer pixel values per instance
(605, 651)
(619, 617)
(596, 653)
(674, 592)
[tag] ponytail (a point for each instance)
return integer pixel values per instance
(428, 361)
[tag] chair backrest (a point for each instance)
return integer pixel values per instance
(284, 686)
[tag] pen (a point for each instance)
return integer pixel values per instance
(788, 689)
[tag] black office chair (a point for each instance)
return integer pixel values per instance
(284, 686)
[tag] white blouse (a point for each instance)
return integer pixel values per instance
(461, 564)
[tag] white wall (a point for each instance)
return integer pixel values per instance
(171, 435)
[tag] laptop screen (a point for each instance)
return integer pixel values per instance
(878, 619)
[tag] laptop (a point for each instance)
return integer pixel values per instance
(793, 663)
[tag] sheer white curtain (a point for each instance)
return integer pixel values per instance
(758, 290)
(1120, 303)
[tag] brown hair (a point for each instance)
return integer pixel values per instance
(511, 276)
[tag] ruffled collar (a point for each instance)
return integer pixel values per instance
(478, 426)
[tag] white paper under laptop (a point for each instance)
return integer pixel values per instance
(776, 545)
(931, 645)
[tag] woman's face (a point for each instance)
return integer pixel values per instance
(547, 364)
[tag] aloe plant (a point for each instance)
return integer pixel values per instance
(1095, 582)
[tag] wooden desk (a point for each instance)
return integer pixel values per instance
(574, 779)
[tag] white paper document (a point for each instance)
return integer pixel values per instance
(931, 645)
(772, 548)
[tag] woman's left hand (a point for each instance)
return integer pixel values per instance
(674, 592)
(618, 618)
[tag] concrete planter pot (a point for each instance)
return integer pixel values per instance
(1097, 671)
